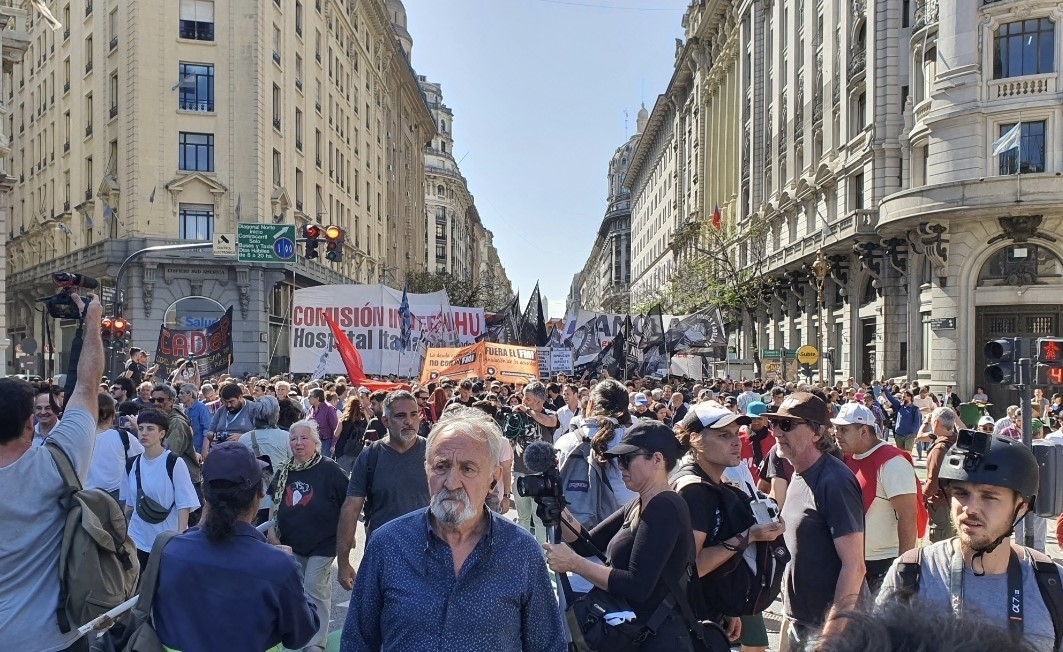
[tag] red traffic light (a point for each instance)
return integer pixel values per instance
(312, 231)
(120, 324)
(1050, 349)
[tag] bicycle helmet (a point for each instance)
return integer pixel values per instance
(1000, 461)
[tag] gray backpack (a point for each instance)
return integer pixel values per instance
(586, 486)
(98, 566)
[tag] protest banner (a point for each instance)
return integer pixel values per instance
(560, 361)
(542, 356)
(506, 362)
(370, 318)
(211, 348)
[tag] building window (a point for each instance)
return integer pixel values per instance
(1029, 153)
(441, 231)
(928, 335)
(197, 20)
(114, 96)
(276, 44)
(276, 169)
(197, 222)
(196, 152)
(441, 252)
(197, 87)
(299, 18)
(1025, 47)
(857, 188)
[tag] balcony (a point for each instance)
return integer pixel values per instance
(926, 14)
(113, 44)
(88, 67)
(113, 112)
(199, 106)
(857, 64)
(277, 123)
(299, 84)
(921, 111)
(1026, 87)
(298, 144)
(276, 57)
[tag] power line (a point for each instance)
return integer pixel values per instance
(598, 6)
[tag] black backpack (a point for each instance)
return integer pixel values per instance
(124, 434)
(734, 589)
(1045, 572)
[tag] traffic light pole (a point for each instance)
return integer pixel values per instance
(1025, 387)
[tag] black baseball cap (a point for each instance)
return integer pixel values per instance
(647, 436)
(233, 462)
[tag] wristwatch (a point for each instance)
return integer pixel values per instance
(507, 495)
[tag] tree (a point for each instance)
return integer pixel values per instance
(721, 267)
(488, 292)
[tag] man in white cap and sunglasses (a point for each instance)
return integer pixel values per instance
(824, 519)
(891, 493)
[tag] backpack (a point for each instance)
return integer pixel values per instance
(1045, 572)
(736, 589)
(124, 435)
(98, 565)
(585, 484)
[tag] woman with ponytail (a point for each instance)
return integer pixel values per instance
(225, 566)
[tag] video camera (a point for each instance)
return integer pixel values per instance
(61, 305)
(543, 484)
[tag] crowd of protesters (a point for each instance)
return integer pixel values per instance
(658, 476)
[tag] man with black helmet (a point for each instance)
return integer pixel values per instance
(991, 482)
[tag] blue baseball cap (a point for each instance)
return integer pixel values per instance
(756, 409)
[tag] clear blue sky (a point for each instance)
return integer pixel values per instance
(539, 89)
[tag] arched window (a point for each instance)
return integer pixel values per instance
(1021, 264)
(441, 191)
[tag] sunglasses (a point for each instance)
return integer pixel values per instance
(786, 425)
(159, 399)
(625, 459)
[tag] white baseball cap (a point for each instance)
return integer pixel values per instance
(986, 421)
(855, 413)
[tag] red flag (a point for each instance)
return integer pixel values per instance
(717, 219)
(351, 359)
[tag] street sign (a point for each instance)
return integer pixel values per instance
(943, 324)
(808, 354)
(265, 243)
(775, 354)
(224, 244)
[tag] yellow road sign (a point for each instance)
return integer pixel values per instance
(808, 354)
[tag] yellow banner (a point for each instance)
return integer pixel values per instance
(505, 362)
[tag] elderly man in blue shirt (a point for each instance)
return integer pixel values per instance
(455, 576)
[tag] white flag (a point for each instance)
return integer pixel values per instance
(1009, 141)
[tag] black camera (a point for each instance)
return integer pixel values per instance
(974, 442)
(543, 484)
(61, 305)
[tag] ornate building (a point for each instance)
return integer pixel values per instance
(605, 281)
(14, 42)
(136, 129)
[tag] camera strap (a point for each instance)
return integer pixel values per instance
(75, 356)
(1014, 599)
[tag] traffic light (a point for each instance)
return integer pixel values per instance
(1049, 361)
(334, 249)
(114, 329)
(311, 232)
(1002, 360)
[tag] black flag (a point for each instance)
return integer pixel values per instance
(698, 333)
(533, 324)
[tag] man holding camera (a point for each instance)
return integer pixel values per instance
(540, 424)
(31, 485)
(137, 365)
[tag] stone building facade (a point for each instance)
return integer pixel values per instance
(169, 122)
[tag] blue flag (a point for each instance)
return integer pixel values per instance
(406, 316)
(108, 212)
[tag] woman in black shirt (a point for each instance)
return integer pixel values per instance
(646, 541)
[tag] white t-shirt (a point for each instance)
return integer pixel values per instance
(156, 483)
(895, 478)
(107, 468)
(564, 419)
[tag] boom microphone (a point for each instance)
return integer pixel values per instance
(540, 457)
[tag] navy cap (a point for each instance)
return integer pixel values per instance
(648, 436)
(233, 462)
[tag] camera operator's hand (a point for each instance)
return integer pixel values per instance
(767, 531)
(561, 558)
(95, 308)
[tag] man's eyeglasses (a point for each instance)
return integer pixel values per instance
(159, 399)
(625, 460)
(786, 425)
